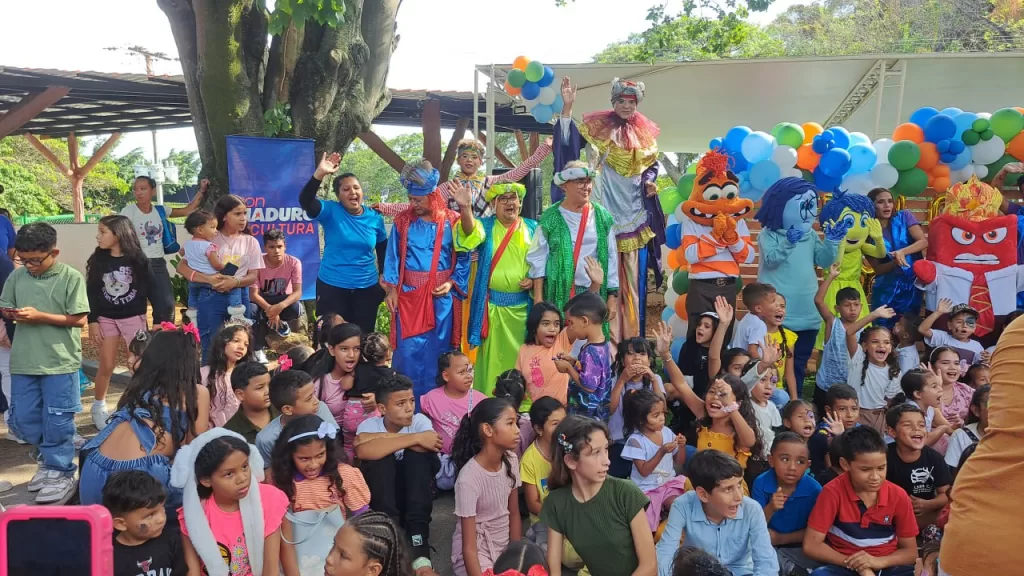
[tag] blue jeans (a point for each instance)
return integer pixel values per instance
(780, 397)
(840, 571)
(194, 289)
(43, 412)
(801, 355)
(211, 313)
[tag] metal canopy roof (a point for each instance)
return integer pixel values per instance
(105, 103)
(694, 102)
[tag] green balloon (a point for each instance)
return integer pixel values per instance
(692, 169)
(739, 283)
(681, 282)
(987, 135)
(516, 78)
(1007, 123)
(669, 199)
(790, 134)
(970, 137)
(904, 155)
(980, 125)
(685, 186)
(534, 71)
(912, 182)
(996, 166)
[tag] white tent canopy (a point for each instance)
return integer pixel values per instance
(694, 102)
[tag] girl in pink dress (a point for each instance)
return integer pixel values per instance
(334, 378)
(230, 346)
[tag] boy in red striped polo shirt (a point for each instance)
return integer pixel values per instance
(862, 524)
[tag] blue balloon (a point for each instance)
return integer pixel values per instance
(957, 146)
(743, 176)
(939, 127)
(826, 136)
(947, 157)
(963, 121)
(859, 138)
(739, 163)
(715, 143)
(862, 158)
(951, 111)
(922, 115)
(673, 236)
(840, 136)
(547, 78)
(748, 191)
(667, 314)
(821, 145)
(942, 146)
(835, 163)
(543, 114)
(530, 91)
(757, 146)
(734, 138)
(764, 174)
(961, 161)
(824, 182)
(677, 346)
(558, 104)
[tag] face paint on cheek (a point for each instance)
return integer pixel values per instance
(144, 528)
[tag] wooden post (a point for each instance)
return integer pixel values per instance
(535, 141)
(28, 107)
(451, 153)
(75, 173)
(374, 142)
(432, 132)
(524, 152)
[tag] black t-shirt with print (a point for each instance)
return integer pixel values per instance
(920, 478)
(161, 556)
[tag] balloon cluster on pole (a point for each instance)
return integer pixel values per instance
(935, 149)
(534, 83)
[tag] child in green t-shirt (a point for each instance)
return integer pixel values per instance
(48, 300)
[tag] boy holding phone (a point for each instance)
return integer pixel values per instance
(142, 544)
(47, 298)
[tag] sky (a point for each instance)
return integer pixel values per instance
(440, 40)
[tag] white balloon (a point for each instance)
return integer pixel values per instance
(531, 104)
(547, 96)
(985, 115)
(670, 296)
(884, 175)
(784, 157)
(980, 170)
(679, 214)
(962, 175)
(882, 146)
(678, 325)
(857, 184)
(795, 173)
(988, 151)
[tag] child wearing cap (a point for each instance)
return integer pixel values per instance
(960, 323)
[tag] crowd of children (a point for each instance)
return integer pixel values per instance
(588, 457)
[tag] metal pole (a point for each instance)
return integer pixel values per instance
(159, 181)
(879, 94)
(476, 103)
(903, 83)
(490, 121)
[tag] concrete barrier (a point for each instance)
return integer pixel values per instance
(77, 242)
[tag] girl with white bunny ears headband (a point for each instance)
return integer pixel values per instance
(183, 475)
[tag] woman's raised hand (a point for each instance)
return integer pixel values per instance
(328, 165)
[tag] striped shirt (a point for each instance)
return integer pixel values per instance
(849, 527)
(708, 258)
(318, 493)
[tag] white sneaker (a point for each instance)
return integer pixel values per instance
(260, 356)
(42, 477)
(5, 485)
(56, 490)
(100, 415)
(79, 441)
(14, 437)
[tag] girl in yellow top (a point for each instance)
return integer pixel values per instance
(783, 339)
(725, 416)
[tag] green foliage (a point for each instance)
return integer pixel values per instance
(188, 165)
(22, 194)
(324, 12)
(126, 163)
(376, 176)
(277, 120)
(383, 319)
(179, 286)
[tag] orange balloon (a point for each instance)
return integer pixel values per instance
(680, 307)
(931, 181)
(521, 63)
(940, 170)
(1019, 109)
(811, 129)
(1015, 147)
(929, 157)
(908, 131)
(942, 183)
(512, 90)
(807, 158)
(673, 260)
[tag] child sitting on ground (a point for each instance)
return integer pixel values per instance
(788, 494)
(833, 469)
(978, 375)
(767, 413)
(398, 455)
(923, 389)
(511, 385)
(535, 466)
(874, 370)
(960, 325)
(750, 332)
(861, 522)
(834, 358)
(692, 561)
(591, 377)
(717, 518)
(201, 254)
(292, 393)
(447, 404)
(798, 417)
(250, 382)
(374, 363)
(784, 340)
(914, 466)
(841, 413)
(971, 434)
(634, 364)
(907, 333)
(651, 446)
(135, 500)
(545, 340)
(231, 345)
(700, 358)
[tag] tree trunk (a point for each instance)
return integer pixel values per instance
(334, 79)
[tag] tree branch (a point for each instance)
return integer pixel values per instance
(673, 171)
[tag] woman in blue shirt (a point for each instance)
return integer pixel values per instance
(354, 246)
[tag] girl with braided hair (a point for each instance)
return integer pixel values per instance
(370, 544)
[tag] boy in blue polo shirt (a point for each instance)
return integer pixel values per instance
(862, 524)
(787, 494)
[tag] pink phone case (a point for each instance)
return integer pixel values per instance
(100, 533)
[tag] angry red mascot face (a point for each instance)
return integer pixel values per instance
(977, 247)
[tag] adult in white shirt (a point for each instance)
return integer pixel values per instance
(149, 227)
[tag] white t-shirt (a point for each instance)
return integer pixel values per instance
(970, 351)
(959, 442)
(768, 418)
(420, 423)
(149, 228)
(750, 330)
(877, 388)
(640, 447)
(615, 422)
(909, 358)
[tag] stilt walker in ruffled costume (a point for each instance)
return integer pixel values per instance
(626, 142)
(428, 256)
(470, 159)
(500, 296)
